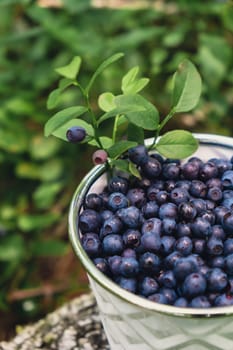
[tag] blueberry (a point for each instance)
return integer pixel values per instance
(130, 216)
(183, 184)
(131, 238)
(169, 226)
(218, 232)
(201, 228)
(91, 244)
(187, 211)
(152, 168)
(93, 201)
(118, 184)
(99, 157)
(229, 264)
(152, 225)
(198, 189)
(138, 154)
(161, 197)
(220, 212)
(209, 216)
(171, 171)
(171, 260)
(181, 302)
(190, 170)
(149, 263)
(102, 265)
(210, 205)
(194, 285)
(151, 242)
(167, 245)
(168, 210)
(76, 134)
(227, 179)
(214, 182)
(158, 298)
(129, 284)
(129, 253)
(217, 280)
(207, 171)
(112, 244)
(129, 267)
(228, 246)
(179, 195)
(143, 182)
(217, 261)
(152, 191)
(117, 200)
(199, 204)
(169, 294)
(169, 185)
(114, 263)
(184, 245)
(150, 209)
(183, 229)
(111, 225)
(227, 222)
(106, 214)
(89, 221)
(199, 246)
(136, 197)
(184, 267)
(224, 300)
(228, 203)
(222, 164)
(227, 194)
(148, 286)
(200, 301)
(214, 194)
(167, 279)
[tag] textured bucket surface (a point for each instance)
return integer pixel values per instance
(133, 323)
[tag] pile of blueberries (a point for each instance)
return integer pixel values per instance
(168, 236)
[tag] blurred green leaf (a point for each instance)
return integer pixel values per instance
(49, 247)
(12, 248)
(29, 222)
(45, 194)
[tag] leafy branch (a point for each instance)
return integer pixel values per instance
(130, 109)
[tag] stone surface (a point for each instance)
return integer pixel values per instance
(74, 326)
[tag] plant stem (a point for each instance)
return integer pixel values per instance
(115, 128)
(160, 127)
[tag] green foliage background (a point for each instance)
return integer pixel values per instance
(38, 174)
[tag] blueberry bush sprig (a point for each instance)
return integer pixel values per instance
(130, 112)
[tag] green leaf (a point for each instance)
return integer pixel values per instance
(135, 133)
(129, 78)
(106, 101)
(187, 87)
(177, 144)
(49, 247)
(119, 148)
(71, 70)
(105, 141)
(121, 164)
(129, 83)
(136, 109)
(136, 86)
(102, 67)
(134, 170)
(147, 118)
(62, 117)
(53, 98)
(61, 131)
